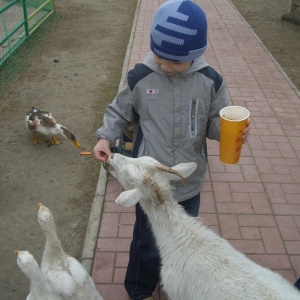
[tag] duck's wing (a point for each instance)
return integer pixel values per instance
(84, 280)
(40, 121)
(45, 119)
(78, 272)
(61, 282)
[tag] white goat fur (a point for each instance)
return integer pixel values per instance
(196, 262)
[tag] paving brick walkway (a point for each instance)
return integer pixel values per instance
(255, 204)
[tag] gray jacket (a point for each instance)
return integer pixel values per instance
(176, 114)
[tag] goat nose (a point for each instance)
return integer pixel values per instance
(111, 155)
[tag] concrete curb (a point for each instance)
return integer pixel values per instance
(91, 235)
(90, 241)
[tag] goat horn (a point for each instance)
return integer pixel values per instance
(154, 187)
(171, 171)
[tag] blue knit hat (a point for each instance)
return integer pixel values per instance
(179, 31)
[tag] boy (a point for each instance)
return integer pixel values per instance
(174, 98)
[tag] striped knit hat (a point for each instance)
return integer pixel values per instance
(179, 31)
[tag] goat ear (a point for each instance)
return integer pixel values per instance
(185, 169)
(129, 198)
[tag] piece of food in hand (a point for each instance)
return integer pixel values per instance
(86, 153)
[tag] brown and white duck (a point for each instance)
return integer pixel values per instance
(42, 122)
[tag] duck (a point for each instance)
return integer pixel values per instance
(65, 274)
(39, 289)
(42, 122)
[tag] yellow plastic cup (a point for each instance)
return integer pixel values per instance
(232, 123)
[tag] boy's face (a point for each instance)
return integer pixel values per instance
(170, 67)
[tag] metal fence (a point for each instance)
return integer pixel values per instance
(18, 20)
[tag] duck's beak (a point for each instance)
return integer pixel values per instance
(76, 144)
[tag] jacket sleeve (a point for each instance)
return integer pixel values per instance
(118, 115)
(219, 101)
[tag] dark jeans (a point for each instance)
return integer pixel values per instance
(144, 263)
(297, 284)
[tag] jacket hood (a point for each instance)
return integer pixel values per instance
(198, 64)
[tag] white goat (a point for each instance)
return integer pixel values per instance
(196, 262)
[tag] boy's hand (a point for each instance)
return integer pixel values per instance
(102, 150)
(246, 132)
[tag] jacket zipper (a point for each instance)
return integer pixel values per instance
(193, 120)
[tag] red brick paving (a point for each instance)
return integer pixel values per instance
(254, 204)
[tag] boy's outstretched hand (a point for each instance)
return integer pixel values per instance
(246, 132)
(102, 150)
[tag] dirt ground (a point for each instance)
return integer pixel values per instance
(280, 37)
(74, 75)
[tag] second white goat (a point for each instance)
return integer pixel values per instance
(196, 262)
